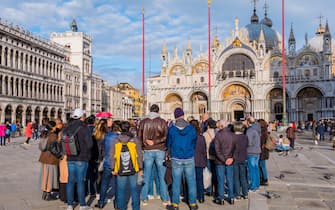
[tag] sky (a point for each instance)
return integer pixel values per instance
(116, 26)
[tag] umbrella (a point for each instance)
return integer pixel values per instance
(104, 115)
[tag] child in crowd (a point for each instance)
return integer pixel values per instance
(283, 145)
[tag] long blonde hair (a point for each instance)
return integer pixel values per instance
(100, 130)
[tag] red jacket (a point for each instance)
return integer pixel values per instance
(29, 130)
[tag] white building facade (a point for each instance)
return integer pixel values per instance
(121, 106)
(246, 76)
(45, 79)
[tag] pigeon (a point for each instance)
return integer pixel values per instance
(281, 176)
(327, 176)
(271, 195)
(296, 155)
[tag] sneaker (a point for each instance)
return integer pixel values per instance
(158, 197)
(165, 203)
(172, 207)
(144, 202)
(85, 208)
(193, 206)
(69, 207)
(151, 197)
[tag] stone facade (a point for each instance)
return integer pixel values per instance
(246, 76)
(45, 79)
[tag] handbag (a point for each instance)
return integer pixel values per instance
(207, 175)
(269, 144)
(42, 145)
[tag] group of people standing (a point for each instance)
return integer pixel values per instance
(122, 159)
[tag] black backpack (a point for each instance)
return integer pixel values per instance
(126, 163)
(70, 143)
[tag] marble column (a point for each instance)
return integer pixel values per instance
(13, 114)
(3, 56)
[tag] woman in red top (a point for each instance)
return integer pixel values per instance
(29, 131)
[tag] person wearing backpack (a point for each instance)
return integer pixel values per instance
(77, 164)
(126, 161)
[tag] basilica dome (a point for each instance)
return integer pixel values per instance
(270, 35)
(316, 43)
(255, 27)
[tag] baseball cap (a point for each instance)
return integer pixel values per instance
(78, 113)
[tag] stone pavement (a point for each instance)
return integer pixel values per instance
(305, 179)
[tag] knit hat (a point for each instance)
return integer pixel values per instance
(178, 112)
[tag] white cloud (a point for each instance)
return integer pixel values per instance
(116, 24)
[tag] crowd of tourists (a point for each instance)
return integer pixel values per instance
(184, 159)
(15, 129)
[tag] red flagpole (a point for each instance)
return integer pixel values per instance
(209, 51)
(283, 62)
(143, 51)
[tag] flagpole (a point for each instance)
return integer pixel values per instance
(209, 56)
(283, 63)
(143, 51)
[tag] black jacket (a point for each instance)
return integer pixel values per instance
(200, 154)
(85, 140)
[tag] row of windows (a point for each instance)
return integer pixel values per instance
(72, 92)
(68, 77)
(29, 63)
(202, 79)
(11, 86)
(29, 47)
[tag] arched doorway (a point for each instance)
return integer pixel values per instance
(52, 114)
(37, 114)
(238, 111)
(8, 113)
(275, 99)
(172, 101)
(45, 113)
(309, 104)
(59, 113)
(237, 100)
(19, 111)
(199, 104)
(28, 114)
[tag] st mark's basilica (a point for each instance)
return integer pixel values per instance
(246, 76)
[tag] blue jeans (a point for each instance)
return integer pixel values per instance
(35, 134)
(154, 178)
(108, 180)
(199, 171)
(224, 172)
(188, 168)
(124, 184)
(262, 165)
(240, 179)
(254, 177)
(77, 174)
(156, 157)
(292, 141)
